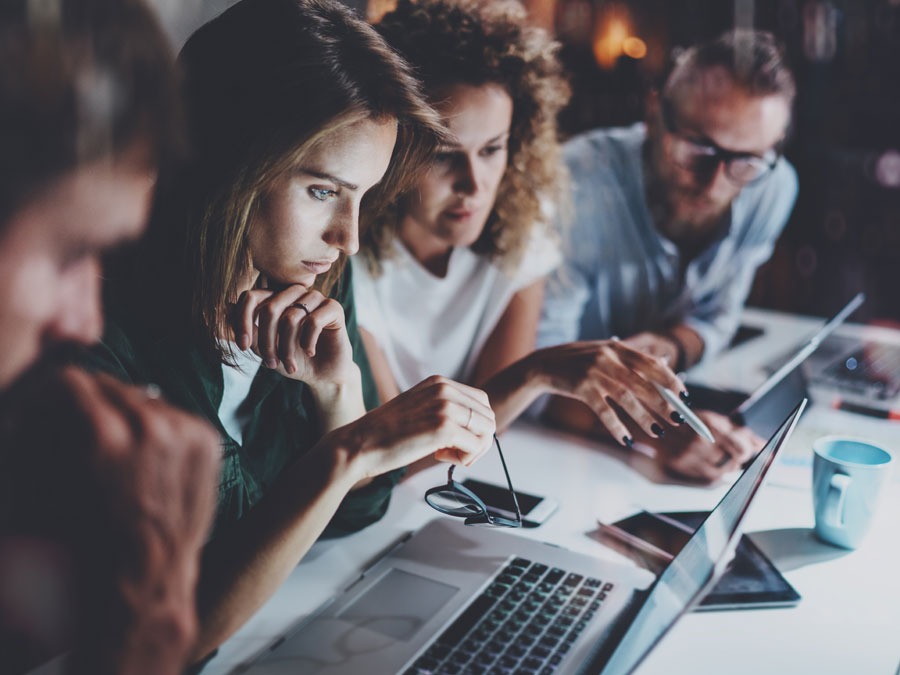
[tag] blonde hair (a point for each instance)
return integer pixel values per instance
(452, 42)
(264, 83)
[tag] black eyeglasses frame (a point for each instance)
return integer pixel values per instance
(472, 507)
(718, 155)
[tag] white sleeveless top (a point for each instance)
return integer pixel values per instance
(428, 325)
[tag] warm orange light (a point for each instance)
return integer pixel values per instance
(613, 36)
(378, 8)
(608, 41)
(634, 47)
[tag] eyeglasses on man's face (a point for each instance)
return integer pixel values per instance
(703, 157)
(455, 499)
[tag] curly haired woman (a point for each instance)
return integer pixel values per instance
(451, 278)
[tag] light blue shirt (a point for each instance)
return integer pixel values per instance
(621, 276)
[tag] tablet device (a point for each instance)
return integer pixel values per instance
(752, 580)
(762, 410)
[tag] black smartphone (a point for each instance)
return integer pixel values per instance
(535, 509)
(652, 539)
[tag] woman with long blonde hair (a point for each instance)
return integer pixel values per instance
(239, 307)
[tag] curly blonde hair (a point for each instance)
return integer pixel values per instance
(450, 42)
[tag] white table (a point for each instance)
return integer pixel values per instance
(847, 622)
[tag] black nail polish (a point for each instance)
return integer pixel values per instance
(677, 418)
(658, 430)
(685, 396)
(628, 440)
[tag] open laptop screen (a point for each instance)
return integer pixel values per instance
(687, 577)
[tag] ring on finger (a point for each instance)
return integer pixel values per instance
(152, 391)
(469, 419)
(302, 305)
(723, 460)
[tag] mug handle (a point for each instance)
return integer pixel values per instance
(834, 499)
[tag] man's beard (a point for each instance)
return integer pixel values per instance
(662, 201)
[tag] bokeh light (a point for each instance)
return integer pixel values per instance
(634, 47)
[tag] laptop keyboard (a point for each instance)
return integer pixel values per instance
(524, 623)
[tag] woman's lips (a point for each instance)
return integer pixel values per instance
(459, 214)
(318, 266)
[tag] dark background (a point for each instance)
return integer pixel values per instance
(844, 233)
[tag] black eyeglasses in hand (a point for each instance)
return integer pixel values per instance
(454, 499)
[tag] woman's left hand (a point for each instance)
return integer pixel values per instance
(296, 331)
(689, 455)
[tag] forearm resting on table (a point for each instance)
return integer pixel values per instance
(245, 566)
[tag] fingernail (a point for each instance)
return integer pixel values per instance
(685, 396)
(271, 363)
(290, 368)
(628, 440)
(658, 430)
(677, 418)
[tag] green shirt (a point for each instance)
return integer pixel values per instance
(281, 423)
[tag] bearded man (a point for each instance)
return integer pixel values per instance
(674, 216)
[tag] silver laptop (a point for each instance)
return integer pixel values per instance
(456, 599)
(860, 372)
(762, 410)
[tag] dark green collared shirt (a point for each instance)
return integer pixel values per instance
(281, 423)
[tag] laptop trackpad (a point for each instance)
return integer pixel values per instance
(398, 604)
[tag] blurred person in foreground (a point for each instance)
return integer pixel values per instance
(672, 218)
(103, 559)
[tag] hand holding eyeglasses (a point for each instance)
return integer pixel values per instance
(439, 417)
(455, 499)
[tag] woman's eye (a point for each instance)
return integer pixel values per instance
(491, 150)
(322, 194)
(443, 157)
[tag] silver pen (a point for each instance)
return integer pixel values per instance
(690, 417)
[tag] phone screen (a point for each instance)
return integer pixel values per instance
(498, 497)
(655, 531)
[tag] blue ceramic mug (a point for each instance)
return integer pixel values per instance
(848, 475)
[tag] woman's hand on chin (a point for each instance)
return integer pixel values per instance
(440, 417)
(298, 332)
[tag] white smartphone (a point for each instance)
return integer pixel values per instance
(535, 509)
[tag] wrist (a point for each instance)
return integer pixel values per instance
(330, 392)
(535, 374)
(678, 362)
(341, 451)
